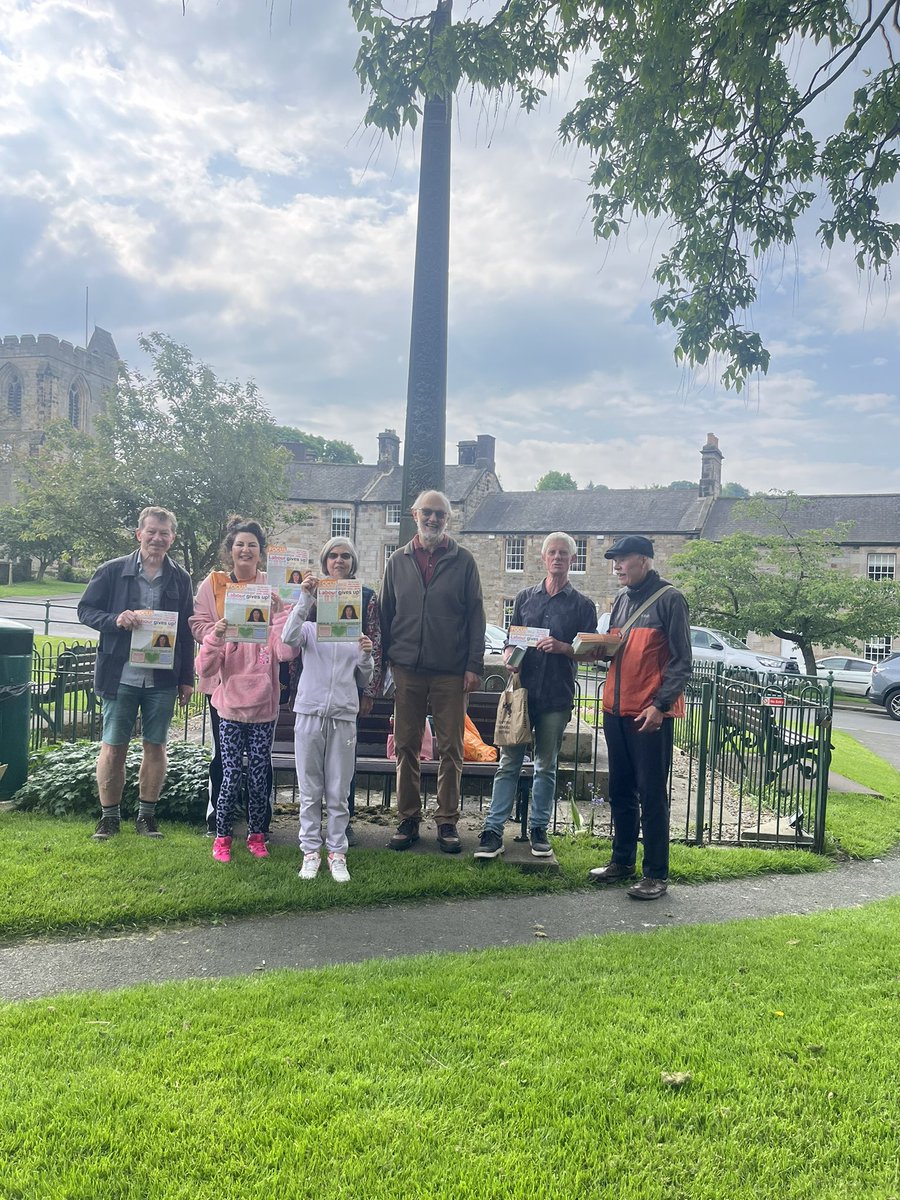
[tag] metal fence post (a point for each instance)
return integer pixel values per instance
(703, 746)
(46, 618)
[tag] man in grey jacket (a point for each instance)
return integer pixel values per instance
(432, 629)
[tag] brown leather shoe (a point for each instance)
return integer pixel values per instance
(406, 833)
(648, 889)
(611, 873)
(448, 838)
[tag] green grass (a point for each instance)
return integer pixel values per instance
(863, 826)
(53, 878)
(44, 591)
(502, 1075)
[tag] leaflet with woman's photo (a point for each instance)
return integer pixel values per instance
(526, 635)
(153, 642)
(286, 568)
(338, 610)
(247, 610)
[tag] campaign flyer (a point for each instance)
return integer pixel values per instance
(153, 642)
(247, 610)
(286, 568)
(338, 610)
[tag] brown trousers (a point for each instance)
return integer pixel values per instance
(412, 691)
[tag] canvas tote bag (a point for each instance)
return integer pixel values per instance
(512, 727)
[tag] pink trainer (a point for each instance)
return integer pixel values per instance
(256, 844)
(222, 849)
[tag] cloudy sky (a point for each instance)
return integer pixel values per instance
(208, 175)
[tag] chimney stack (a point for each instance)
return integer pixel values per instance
(466, 452)
(484, 453)
(388, 450)
(711, 467)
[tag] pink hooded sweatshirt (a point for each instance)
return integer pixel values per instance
(241, 679)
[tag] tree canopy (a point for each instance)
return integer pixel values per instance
(182, 439)
(780, 579)
(556, 481)
(704, 115)
(325, 450)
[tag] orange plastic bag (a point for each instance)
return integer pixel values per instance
(474, 749)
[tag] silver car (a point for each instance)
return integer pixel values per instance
(849, 674)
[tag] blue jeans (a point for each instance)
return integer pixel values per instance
(548, 733)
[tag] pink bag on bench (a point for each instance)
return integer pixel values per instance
(426, 754)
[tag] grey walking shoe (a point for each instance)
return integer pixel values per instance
(146, 827)
(490, 845)
(107, 827)
(540, 847)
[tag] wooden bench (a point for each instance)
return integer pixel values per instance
(371, 750)
(74, 675)
(760, 730)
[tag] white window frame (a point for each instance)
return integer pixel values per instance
(508, 610)
(341, 522)
(877, 649)
(515, 553)
(881, 566)
(392, 513)
(386, 551)
(578, 565)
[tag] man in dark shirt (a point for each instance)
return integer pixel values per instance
(643, 693)
(548, 672)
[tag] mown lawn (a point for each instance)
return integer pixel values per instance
(863, 826)
(53, 878)
(502, 1075)
(43, 591)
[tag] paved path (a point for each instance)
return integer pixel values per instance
(305, 940)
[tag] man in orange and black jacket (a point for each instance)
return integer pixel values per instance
(644, 691)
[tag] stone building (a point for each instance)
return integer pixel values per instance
(362, 501)
(43, 380)
(505, 530)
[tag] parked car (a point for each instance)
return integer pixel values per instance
(850, 674)
(886, 685)
(494, 639)
(713, 645)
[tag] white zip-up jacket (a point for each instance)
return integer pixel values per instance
(333, 673)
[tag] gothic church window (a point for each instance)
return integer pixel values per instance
(14, 396)
(75, 406)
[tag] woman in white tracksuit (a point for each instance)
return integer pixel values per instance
(327, 702)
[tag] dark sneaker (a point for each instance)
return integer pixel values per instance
(490, 845)
(648, 889)
(448, 838)
(611, 873)
(351, 836)
(107, 827)
(407, 833)
(146, 827)
(540, 847)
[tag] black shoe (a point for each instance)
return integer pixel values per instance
(540, 847)
(448, 838)
(351, 837)
(611, 873)
(648, 889)
(407, 833)
(146, 827)
(107, 827)
(490, 845)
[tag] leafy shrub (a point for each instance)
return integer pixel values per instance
(62, 781)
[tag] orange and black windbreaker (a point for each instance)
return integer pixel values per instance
(655, 662)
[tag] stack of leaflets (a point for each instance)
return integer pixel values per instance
(286, 568)
(153, 642)
(247, 610)
(588, 643)
(522, 638)
(338, 610)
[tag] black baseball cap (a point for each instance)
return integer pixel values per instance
(632, 543)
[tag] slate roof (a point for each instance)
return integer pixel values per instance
(875, 518)
(625, 510)
(102, 343)
(345, 483)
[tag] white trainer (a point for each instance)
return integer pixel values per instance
(310, 868)
(337, 865)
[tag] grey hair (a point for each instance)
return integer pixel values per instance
(445, 500)
(330, 545)
(559, 537)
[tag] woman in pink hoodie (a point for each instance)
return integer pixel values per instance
(242, 681)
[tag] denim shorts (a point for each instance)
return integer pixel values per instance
(156, 706)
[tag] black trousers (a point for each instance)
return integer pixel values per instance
(639, 765)
(215, 782)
